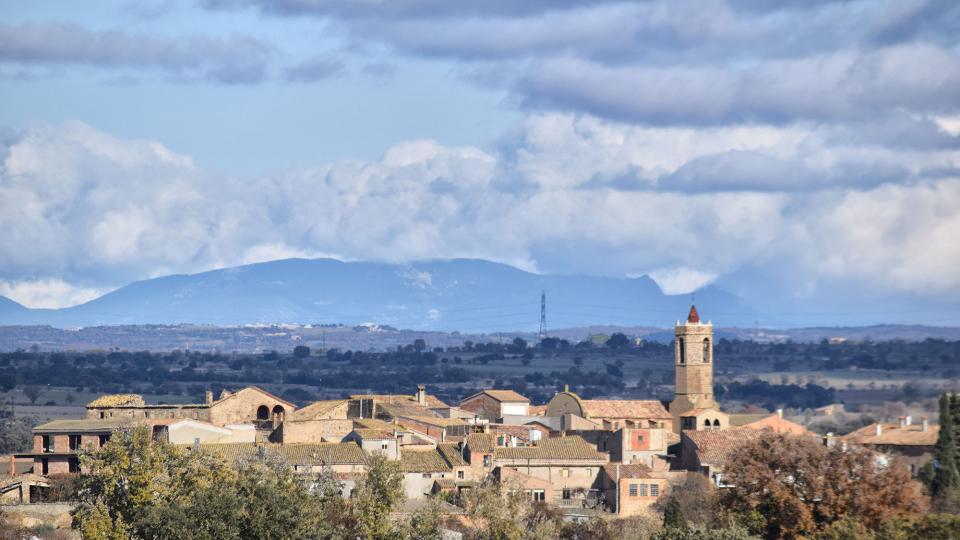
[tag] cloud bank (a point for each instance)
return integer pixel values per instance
(563, 193)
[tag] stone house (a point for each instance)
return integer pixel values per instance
(56, 444)
(495, 404)
(321, 421)
(630, 489)
(424, 469)
(609, 414)
(913, 444)
(707, 452)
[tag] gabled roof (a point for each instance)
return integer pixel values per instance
(772, 422)
(893, 434)
(715, 447)
(625, 408)
(561, 448)
(480, 442)
(504, 396)
(443, 458)
(317, 409)
(255, 389)
(293, 454)
(628, 470)
(433, 402)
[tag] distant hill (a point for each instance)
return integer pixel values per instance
(462, 294)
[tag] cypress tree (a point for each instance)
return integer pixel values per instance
(947, 476)
(673, 517)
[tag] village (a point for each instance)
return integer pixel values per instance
(584, 457)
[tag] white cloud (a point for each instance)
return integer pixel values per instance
(47, 293)
(681, 280)
(565, 194)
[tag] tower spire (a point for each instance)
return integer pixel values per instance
(693, 317)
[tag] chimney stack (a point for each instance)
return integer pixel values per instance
(879, 429)
(421, 395)
(780, 414)
(902, 421)
(909, 420)
(566, 388)
(208, 397)
(926, 423)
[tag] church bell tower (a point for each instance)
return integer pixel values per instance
(693, 365)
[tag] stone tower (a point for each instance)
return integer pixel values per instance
(693, 365)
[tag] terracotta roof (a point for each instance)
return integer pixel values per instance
(715, 447)
(508, 396)
(537, 410)
(693, 317)
(480, 442)
(118, 400)
(443, 458)
(561, 448)
(403, 409)
(374, 423)
(771, 422)
(625, 408)
(317, 409)
(255, 389)
(520, 432)
(433, 402)
(630, 470)
(438, 421)
(104, 426)
(293, 454)
(893, 434)
(741, 419)
(373, 434)
(445, 483)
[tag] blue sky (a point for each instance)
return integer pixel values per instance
(809, 146)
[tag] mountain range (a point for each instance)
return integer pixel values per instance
(466, 295)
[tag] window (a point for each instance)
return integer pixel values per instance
(633, 490)
(567, 494)
(459, 475)
(654, 490)
(73, 465)
(706, 350)
(639, 438)
(538, 495)
(587, 472)
(384, 446)
(682, 351)
(688, 422)
(102, 439)
(47, 444)
(706, 424)
(486, 461)
(427, 475)
(103, 415)
(45, 466)
(716, 424)
(565, 473)
(643, 490)
(74, 443)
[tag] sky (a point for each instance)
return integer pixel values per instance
(802, 151)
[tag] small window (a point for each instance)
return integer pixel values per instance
(688, 422)
(643, 490)
(73, 465)
(706, 350)
(486, 461)
(103, 415)
(74, 443)
(47, 444)
(587, 472)
(654, 490)
(103, 439)
(639, 438)
(682, 350)
(427, 475)
(565, 473)
(45, 466)
(567, 494)
(459, 475)
(706, 424)
(384, 446)
(633, 490)
(539, 495)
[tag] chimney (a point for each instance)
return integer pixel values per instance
(902, 422)
(566, 388)
(208, 397)
(879, 429)
(926, 423)
(909, 420)
(421, 395)
(780, 414)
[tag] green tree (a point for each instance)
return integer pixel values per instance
(618, 341)
(673, 515)
(32, 392)
(378, 493)
(947, 476)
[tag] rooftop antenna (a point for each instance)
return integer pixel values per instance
(543, 315)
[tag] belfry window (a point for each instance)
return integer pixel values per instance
(683, 352)
(706, 350)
